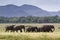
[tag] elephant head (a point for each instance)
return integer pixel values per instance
(52, 28)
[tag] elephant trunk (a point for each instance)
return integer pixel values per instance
(52, 29)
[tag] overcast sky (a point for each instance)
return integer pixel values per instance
(49, 5)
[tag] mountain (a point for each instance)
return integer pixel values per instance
(12, 10)
(24, 10)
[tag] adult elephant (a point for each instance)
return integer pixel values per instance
(8, 28)
(19, 28)
(31, 29)
(39, 29)
(47, 28)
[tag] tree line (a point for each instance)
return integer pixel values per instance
(30, 19)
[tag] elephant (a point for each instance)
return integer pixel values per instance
(11, 27)
(47, 28)
(31, 29)
(20, 27)
(39, 29)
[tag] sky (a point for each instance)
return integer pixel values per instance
(49, 5)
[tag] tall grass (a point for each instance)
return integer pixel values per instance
(30, 36)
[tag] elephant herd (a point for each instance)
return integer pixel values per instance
(21, 28)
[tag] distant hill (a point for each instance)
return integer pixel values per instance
(24, 10)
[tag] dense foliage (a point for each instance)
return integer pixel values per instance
(30, 19)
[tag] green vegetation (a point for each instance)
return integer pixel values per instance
(30, 19)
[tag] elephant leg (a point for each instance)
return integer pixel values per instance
(24, 30)
(48, 31)
(28, 31)
(35, 30)
(11, 30)
(16, 30)
(6, 30)
(21, 30)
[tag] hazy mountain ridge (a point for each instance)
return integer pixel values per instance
(24, 10)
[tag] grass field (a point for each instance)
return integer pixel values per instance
(31, 35)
